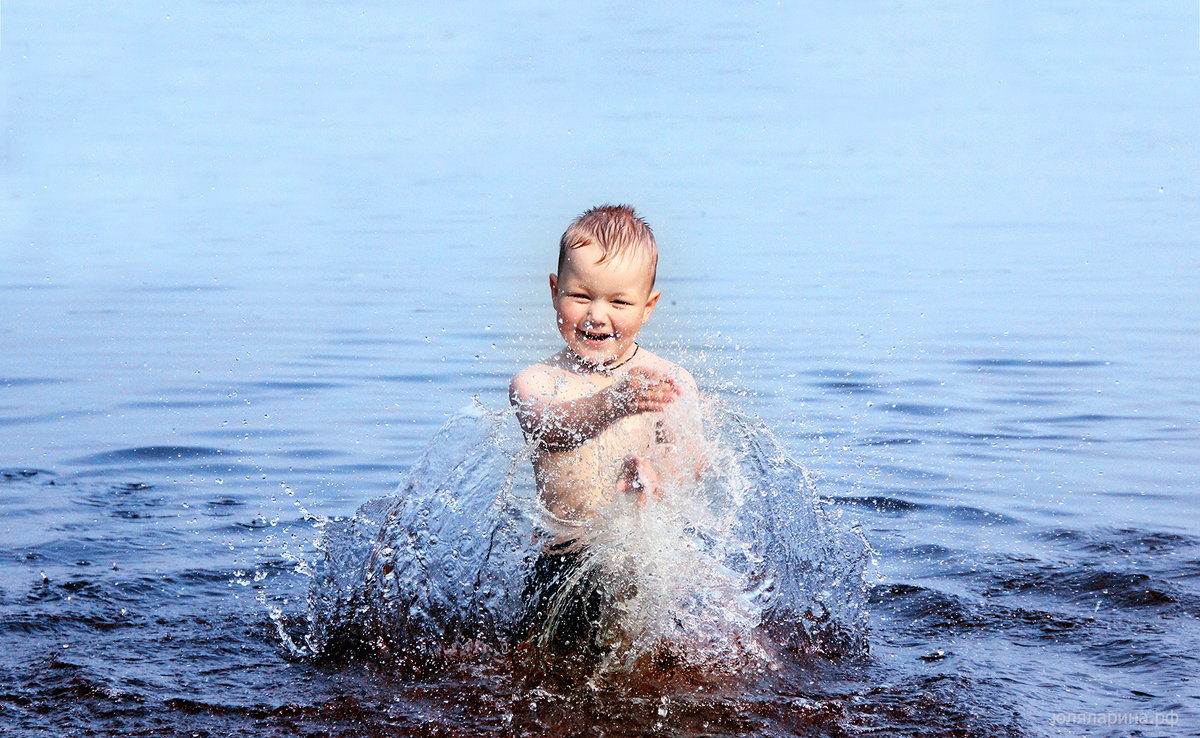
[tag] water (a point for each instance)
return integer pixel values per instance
(726, 574)
(256, 256)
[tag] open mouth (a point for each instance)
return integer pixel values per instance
(591, 337)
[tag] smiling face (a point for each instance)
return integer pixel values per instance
(602, 306)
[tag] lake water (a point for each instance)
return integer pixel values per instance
(256, 255)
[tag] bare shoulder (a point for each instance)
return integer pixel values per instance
(535, 380)
(539, 381)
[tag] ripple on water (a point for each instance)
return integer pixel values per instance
(153, 453)
(880, 503)
(1090, 585)
(1125, 541)
(1025, 365)
(13, 475)
(927, 612)
(295, 385)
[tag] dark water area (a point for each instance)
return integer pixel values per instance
(257, 255)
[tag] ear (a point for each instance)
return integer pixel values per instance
(651, 302)
(553, 286)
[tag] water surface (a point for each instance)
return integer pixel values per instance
(257, 254)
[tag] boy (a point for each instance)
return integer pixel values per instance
(597, 416)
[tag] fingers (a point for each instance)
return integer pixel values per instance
(638, 475)
(629, 480)
(643, 377)
(645, 470)
(645, 480)
(650, 491)
(650, 390)
(650, 488)
(650, 405)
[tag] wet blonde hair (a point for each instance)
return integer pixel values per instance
(617, 230)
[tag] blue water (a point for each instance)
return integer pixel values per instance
(256, 255)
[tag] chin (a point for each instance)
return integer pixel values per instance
(594, 354)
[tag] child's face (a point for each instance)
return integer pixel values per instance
(601, 307)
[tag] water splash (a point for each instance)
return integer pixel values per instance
(739, 569)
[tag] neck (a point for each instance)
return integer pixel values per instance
(607, 367)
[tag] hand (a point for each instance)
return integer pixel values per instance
(644, 390)
(639, 477)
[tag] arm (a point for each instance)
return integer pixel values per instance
(565, 424)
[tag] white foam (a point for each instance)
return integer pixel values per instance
(720, 566)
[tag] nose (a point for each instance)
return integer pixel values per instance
(597, 314)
